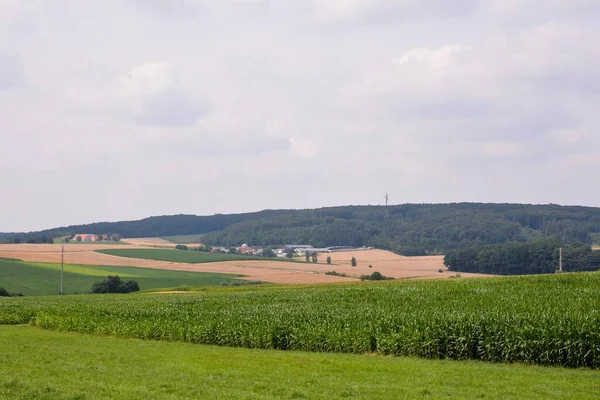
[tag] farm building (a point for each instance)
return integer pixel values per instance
(85, 237)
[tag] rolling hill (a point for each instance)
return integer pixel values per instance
(409, 229)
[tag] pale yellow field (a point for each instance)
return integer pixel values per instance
(150, 242)
(385, 262)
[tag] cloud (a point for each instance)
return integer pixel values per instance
(167, 107)
(11, 70)
(152, 94)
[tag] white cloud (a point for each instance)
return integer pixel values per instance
(180, 106)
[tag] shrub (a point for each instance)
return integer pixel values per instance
(441, 271)
(4, 292)
(329, 260)
(114, 284)
(181, 247)
(370, 266)
(375, 276)
(353, 261)
(334, 273)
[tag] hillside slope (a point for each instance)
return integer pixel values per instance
(410, 229)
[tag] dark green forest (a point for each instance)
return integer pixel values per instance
(537, 257)
(410, 229)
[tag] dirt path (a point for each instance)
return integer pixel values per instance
(385, 262)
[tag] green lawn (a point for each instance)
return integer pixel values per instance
(183, 239)
(182, 256)
(34, 279)
(52, 365)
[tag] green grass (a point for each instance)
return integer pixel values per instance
(182, 256)
(52, 365)
(34, 279)
(546, 320)
(183, 239)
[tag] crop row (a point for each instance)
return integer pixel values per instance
(547, 320)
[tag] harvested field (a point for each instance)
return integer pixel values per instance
(283, 272)
(150, 242)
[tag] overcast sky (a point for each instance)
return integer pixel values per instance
(123, 109)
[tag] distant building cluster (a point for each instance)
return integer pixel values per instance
(88, 237)
(297, 250)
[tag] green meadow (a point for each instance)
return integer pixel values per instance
(183, 239)
(39, 364)
(182, 256)
(35, 279)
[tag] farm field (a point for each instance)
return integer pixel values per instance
(180, 256)
(34, 279)
(283, 272)
(546, 320)
(183, 239)
(57, 365)
(150, 242)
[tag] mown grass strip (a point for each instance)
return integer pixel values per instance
(39, 364)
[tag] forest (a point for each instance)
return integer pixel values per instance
(537, 257)
(409, 229)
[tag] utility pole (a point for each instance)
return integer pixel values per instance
(560, 260)
(62, 270)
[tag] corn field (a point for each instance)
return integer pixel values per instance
(545, 320)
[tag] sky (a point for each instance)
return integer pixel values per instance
(124, 109)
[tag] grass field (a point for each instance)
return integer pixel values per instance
(34, 279)
(547, 320)
(53, 365)
(183, 239)
(181, 256)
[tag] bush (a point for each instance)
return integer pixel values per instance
(181, 247)
(353, 261)
(114, 284)
(329, 260)
(334, 273)
(5, 293)
(375, 276)
(441, 271)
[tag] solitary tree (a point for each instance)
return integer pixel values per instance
(115, 237)
(353, 261)
(268, 252)
(314, 258)
(329, 260)
(307, 256)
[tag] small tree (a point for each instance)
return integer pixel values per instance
(233, 250)
(78, 238)
(315, 258)
(268, 252)
(307, 256)
(114, 284)
(329, 260)
(290, 255)
(99, 237)
(181, 247)
(353, 261)
(115, 237)
(4, 292)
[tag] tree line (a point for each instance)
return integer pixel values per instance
(537, 257)
(409, 229)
